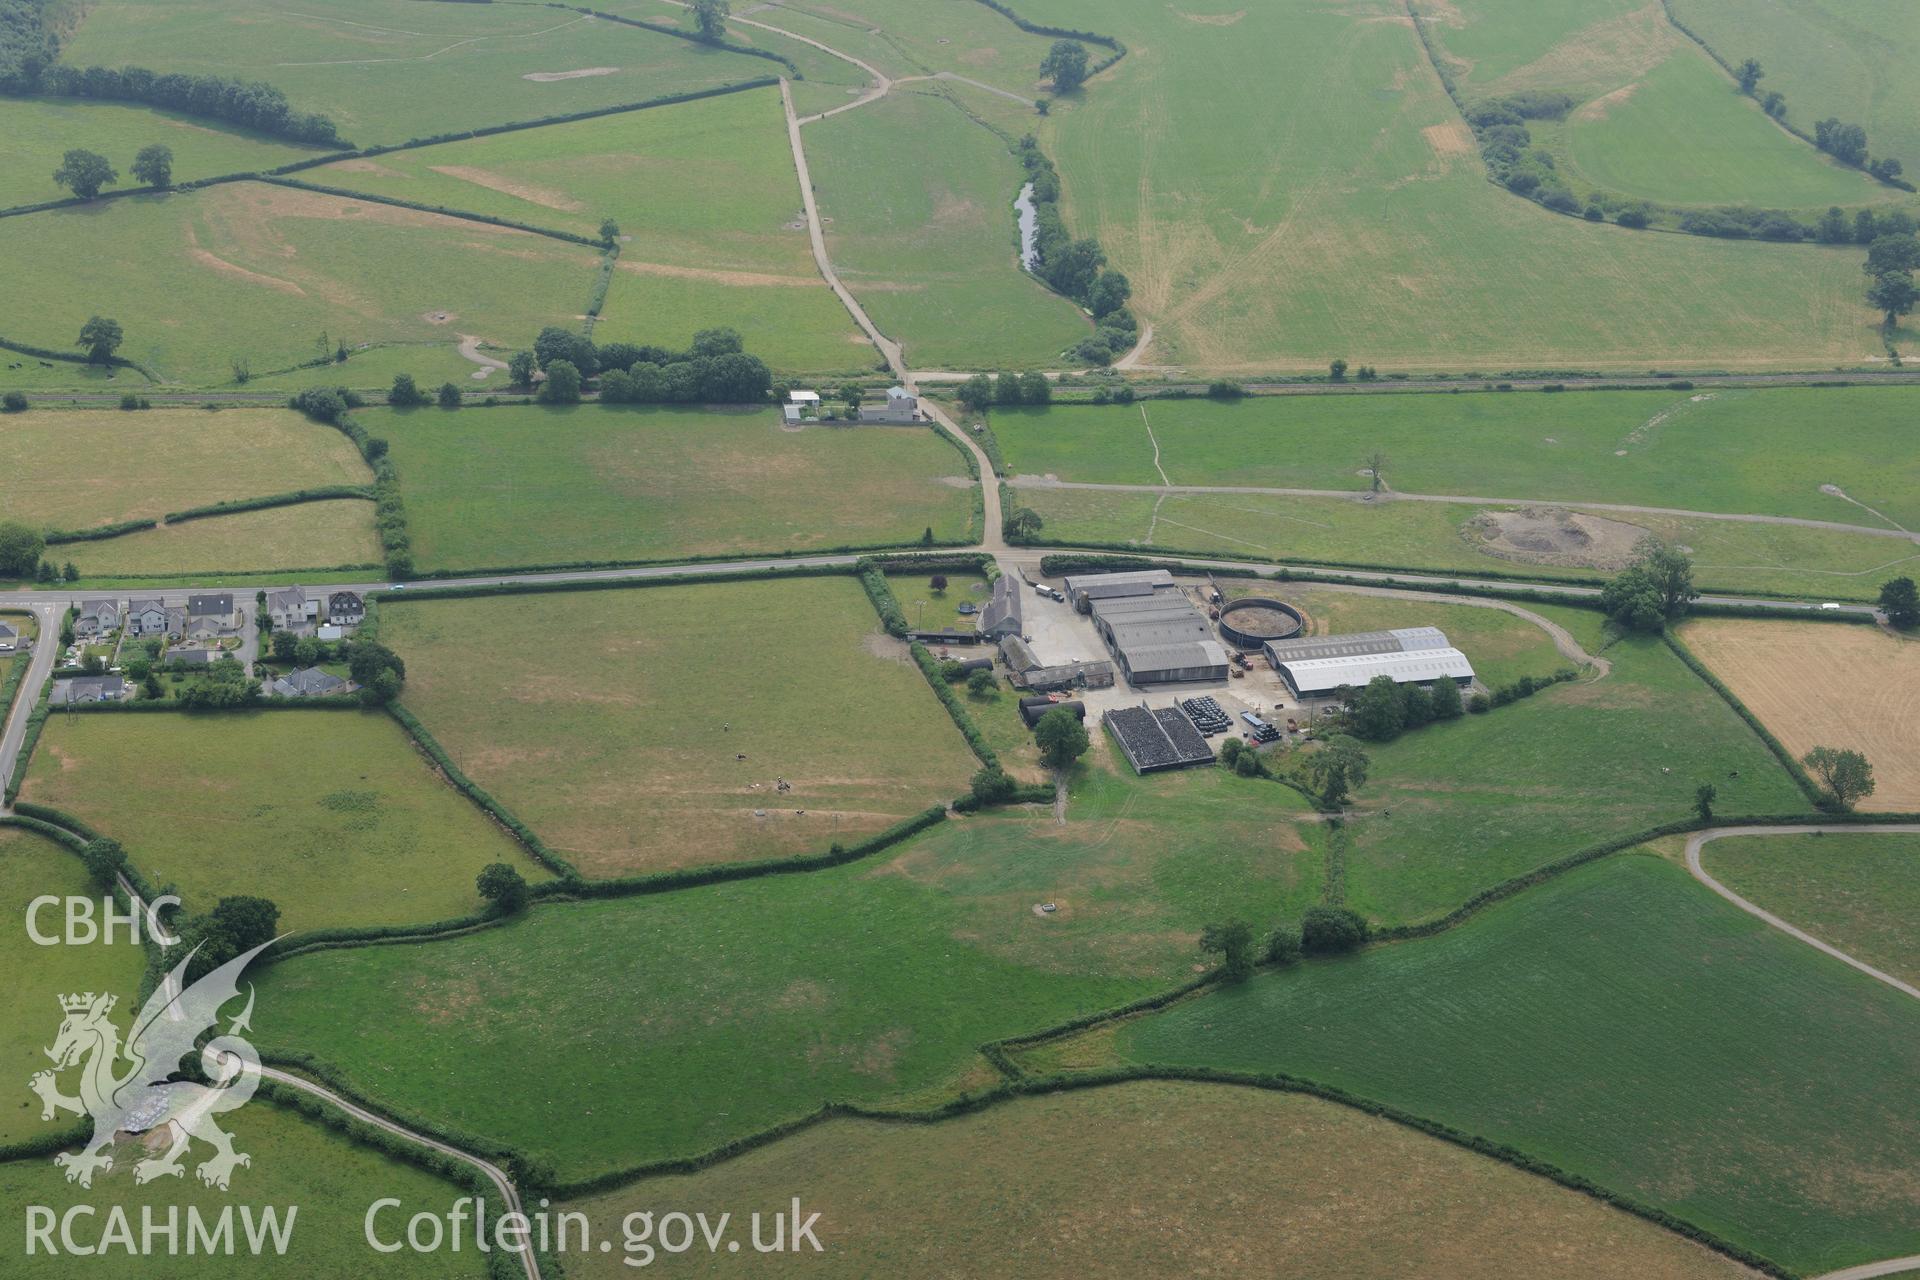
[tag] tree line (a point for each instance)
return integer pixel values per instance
(1076, 267)
(1845, 142)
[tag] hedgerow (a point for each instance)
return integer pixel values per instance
(323, 493)
(466, 215)
(60, 537)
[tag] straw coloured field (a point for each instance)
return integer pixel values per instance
(334, 816)
(525, 485)
(1858, 892)
(1602, 1022)
(1814, 685)
(628, 758)
(1386, 244)
(142, 465)
(1128, 1178)
(254, 273)
(388, 70)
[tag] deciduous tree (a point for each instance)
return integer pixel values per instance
(1900, 601)
(101, 337)
(1065, 65)
(1062, 738)
(1847, 775)
(154, 165)
(1232, 941)
(84, 173)
(504, 888)
(710, 16)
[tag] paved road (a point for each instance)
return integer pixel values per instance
(1396, 495)
(46, 649)
(1699, 838)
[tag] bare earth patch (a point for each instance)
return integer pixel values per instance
(237, 271)
(545, 197)
(1554, 536)
(1212, 19)
(1823, 684)
(1450, 139)
(1598, 108)
(548, 77)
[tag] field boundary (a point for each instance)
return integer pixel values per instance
(1815, 796)
(233, 506)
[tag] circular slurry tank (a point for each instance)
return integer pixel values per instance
(1251, 621)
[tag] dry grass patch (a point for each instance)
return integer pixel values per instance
(1817, 684)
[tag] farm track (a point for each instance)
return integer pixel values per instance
(1360, 495)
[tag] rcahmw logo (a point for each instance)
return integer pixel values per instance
(164, 1115)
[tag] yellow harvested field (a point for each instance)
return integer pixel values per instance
(1818, 684)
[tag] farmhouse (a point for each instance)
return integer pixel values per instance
(346, 609)
(86, 689)
(1002, 615)
(96, 617)
(901, 409)
(1314, 666)
(292, 609)
(1153, 740)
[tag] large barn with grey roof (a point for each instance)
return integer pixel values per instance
(1153, 631)
(1314, 666)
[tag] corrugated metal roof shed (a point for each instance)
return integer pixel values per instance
(1100, 586)
(1324, 675)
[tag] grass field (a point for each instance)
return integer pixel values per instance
(1625, 1024)
(39, 130)
(295, 1163)
(1722, 450)
(142, 465)
(521, 485)
(387, 70)
(793, 322)
(1172, 158)
(1685, 135)
(1813, 685)
(1857, 892)
(32, 866)
(922, 231)
(312, 535)
(332, 815)
(254, 272)
(719, 1011)
(623, 756)
(1126, 1181)
(1453, 808)
(1728, 555)
(1845, 58)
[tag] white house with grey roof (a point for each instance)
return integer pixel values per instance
(96, 617)
(346, 609)
(153, 617)
(292, 609)
(212, 614)
(901, 409)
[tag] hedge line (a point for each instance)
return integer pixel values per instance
(321, 494)
(60, 537)
(1119, 50)
(430, 746)
(579, 566)
(444, 210)
(1815, 796)
(68, 357)
(35, 722)
(11, 689)
(541, 122)
(610, 584)
(962, 720)
(792, 67)
(85, 833)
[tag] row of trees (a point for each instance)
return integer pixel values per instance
(1076, 267)
(85, 172)
(1323, 930)
(251, 104)
(980, 392)
(1891, 262)
(1845, 142)
(714, 369)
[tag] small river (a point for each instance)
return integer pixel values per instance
(1029, 226)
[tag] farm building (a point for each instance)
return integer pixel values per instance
(1085, 588)
(1154, 632)
(1155, 740)
(1315, 666)
(902, 408)
(1002, 614)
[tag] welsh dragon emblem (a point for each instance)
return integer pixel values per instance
(144, 1097)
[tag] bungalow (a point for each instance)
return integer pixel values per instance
(96, 617)
(292, 609)
(152, 617)
(309, 683)
(346, 609)
(212, 615)
(902, 408)
(9, 638)
(86, 689)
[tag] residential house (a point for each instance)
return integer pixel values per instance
(96, 617)
(212, 615)
(902, 408)
(9, 638)
(1001, 617)
(87, 689)
(309, 683)
(152, 617)
(346, 609)
(292, 609)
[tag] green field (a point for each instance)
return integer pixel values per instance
(1847, 58)
(1684, 134)
(332, 815)
(1856, 892)
(31, 866)
(1453, 808)
(525, 485)
(255, 272)
(718, 1011)
(1122, 1182)
(1627, 1025)
(623, 756)
(387, 71)
(922, 231)
(1729, 555)
(295, 1163)
(40, 130)
(142, 465)
(1764, 451)
(1384, 243)
(312, 535)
